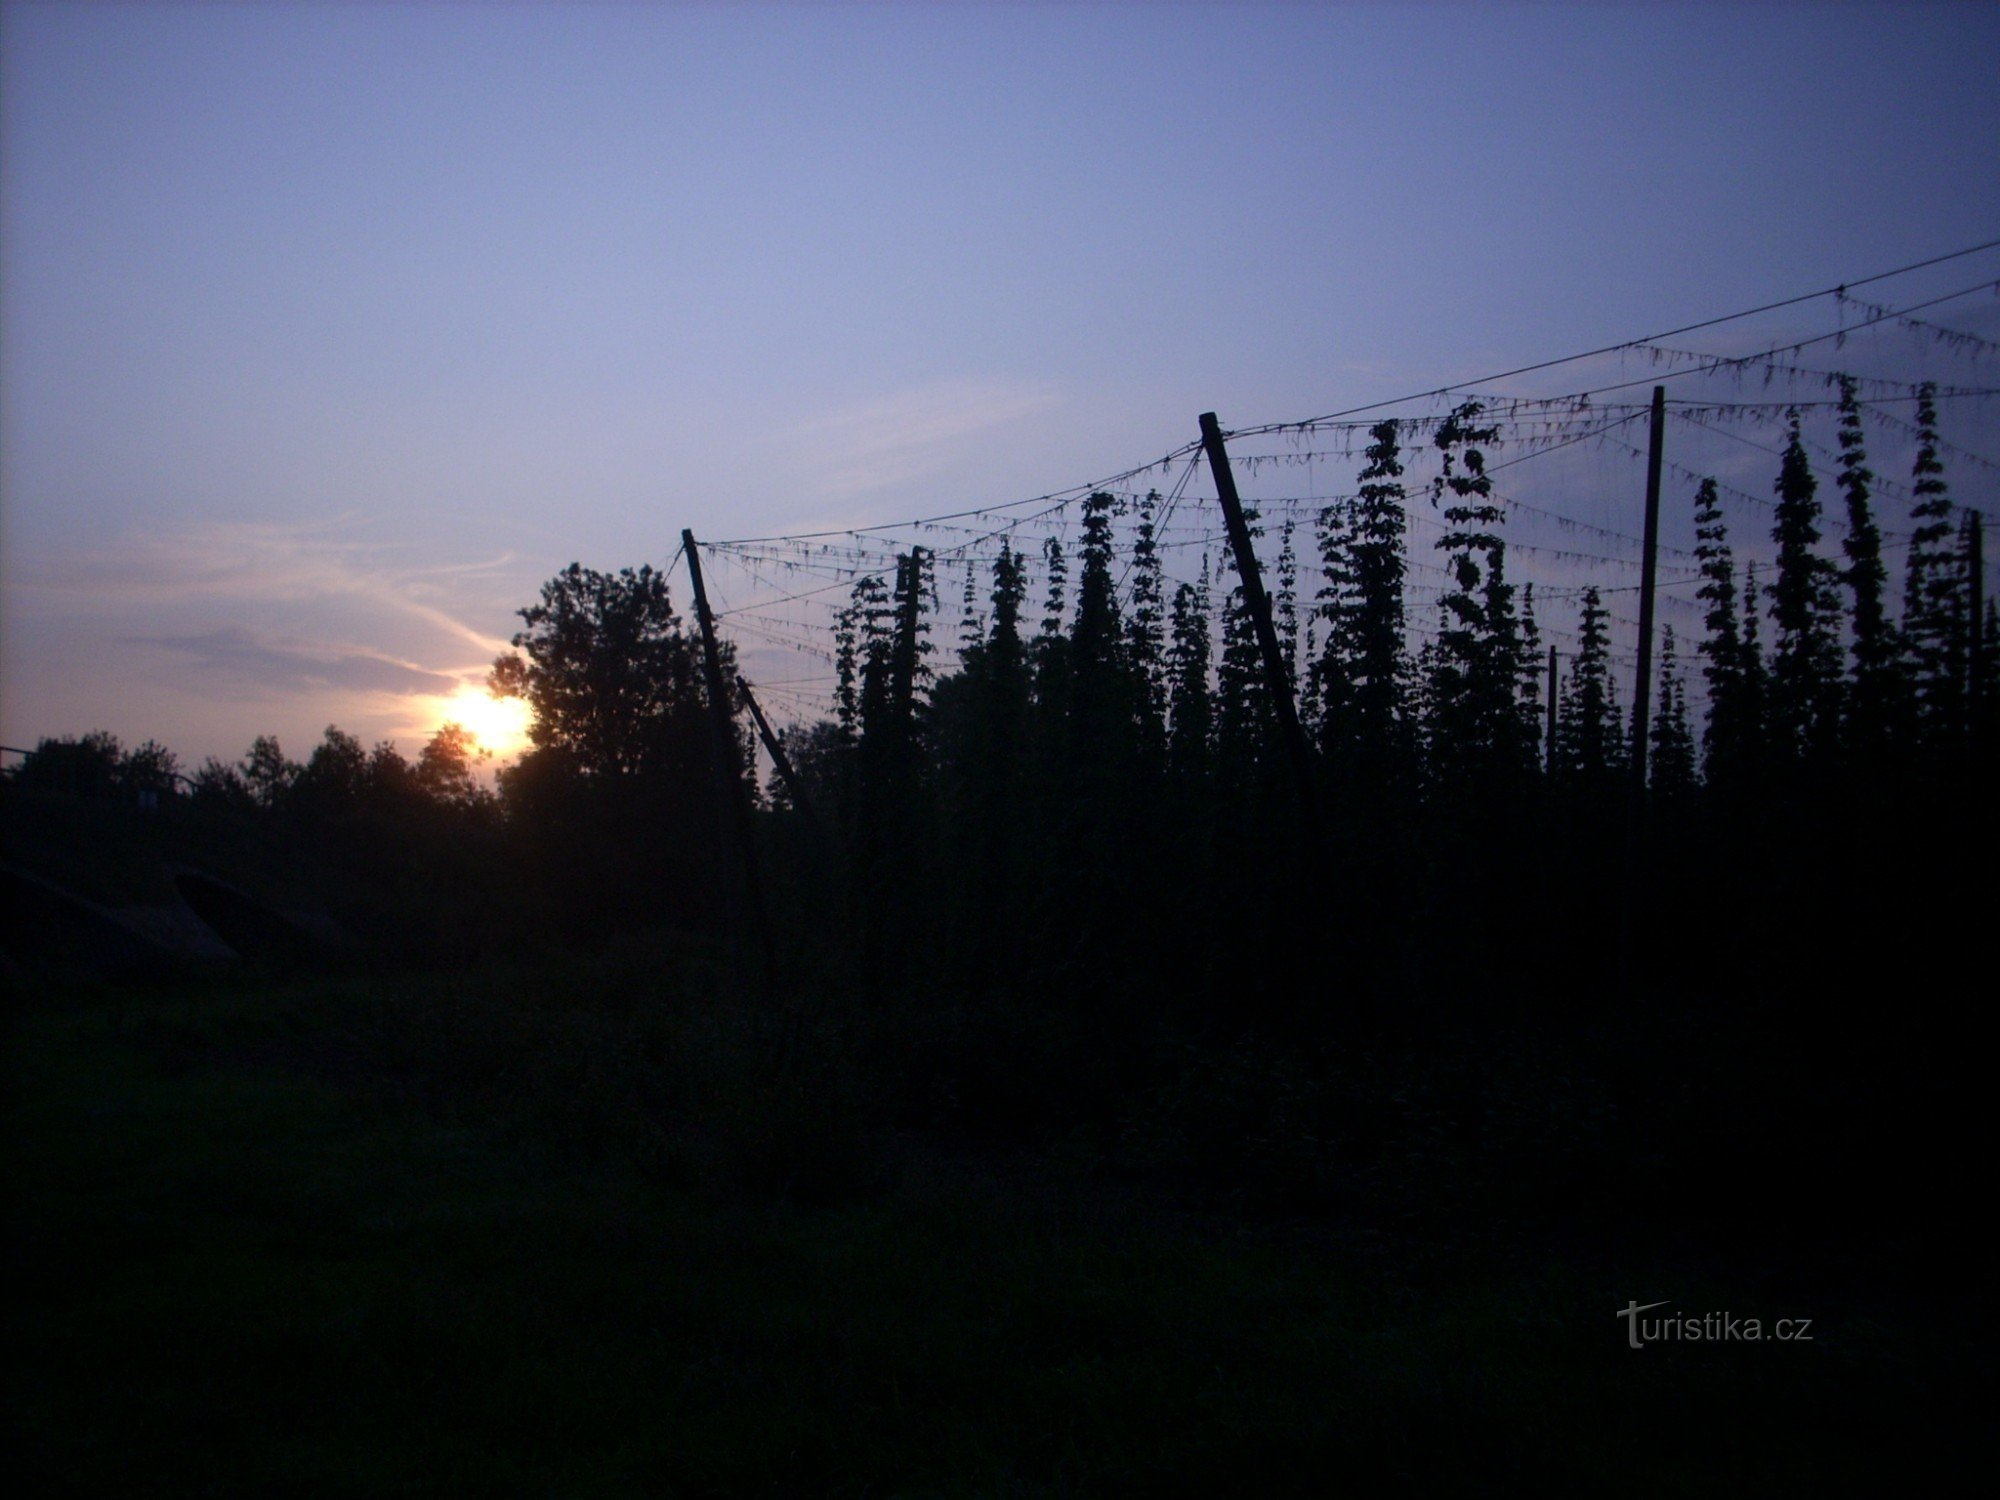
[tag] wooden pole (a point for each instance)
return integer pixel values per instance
(1260, 615)
(776, 749)
(903, 678)
(728, 777)
(1649, 565)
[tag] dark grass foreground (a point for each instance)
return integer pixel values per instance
(476, 1237)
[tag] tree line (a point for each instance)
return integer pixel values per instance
(1056, 874)
(1124, 751)
(1102, 766)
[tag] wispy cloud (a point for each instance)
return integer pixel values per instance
(223, 565)
(914, 433)
(194, 633)
(236, 657)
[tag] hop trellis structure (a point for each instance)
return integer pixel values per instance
(1564, 473)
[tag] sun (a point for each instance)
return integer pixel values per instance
(500, 725)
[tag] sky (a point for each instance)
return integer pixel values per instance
(329, 332)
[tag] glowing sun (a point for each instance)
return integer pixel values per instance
(500, 725)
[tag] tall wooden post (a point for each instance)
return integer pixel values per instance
(1550, 756)
(1260, 614)
(903, 670)
(1642, 688)
(729, 781)
(776, 748)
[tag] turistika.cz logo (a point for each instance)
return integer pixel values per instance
(1708, 1328)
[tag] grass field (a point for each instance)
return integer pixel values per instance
(417, 1237)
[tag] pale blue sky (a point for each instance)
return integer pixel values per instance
(326, 333)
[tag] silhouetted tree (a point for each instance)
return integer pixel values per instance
(1671, 762)
(1755, 686)
(1097, 639)
(818, 752)
(861, 638)
(222, 788)
(1050, 655)
(1191, 732)
(1933, 590)
(151, 772)
(1985, 689)
(971, 626)
(909, 645)
(1146, 633)
(268, 773)
(1476, 731)
(622, 740)
(1245, 723)
(982, 716)
(444, 769)
(332, 781)
(1057, 576)
(1982, 638)
(1361, 674)
(1805, 671)
(614, 681)
(86, 767)
(1285, 607)
(1872, 716)
(1590, 742)
(1729, 739)
(1530, 692)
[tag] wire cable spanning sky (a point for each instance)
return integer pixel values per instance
(328, 332)
(794, 585)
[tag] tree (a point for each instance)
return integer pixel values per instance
(1671, 764)
(222, 788)
(1191, 730)
(1729, 739)
(1982, 638)
(817, 752)
(1805, 670)
(616, 804)
(861, 643)
(971, 626)
(909, 644)
(1099, 755)
(891, 634)
(1110, 693)
(1477, 730)
(983, 717)
(1146, 631)
(333, 780)
(989, 703)
(444, 768)
(267, 772)
(1756, 684)
(1245, 721)
(1058, 574)
(1531, 676)
(1285, 603)
(1985, 690)
(1590, 745)
(1877, 680)
(1933, 624)
(613, 679)
(1361, 675)
(86, 767)
(1332, 678)
(151, 773)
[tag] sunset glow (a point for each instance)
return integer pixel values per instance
(499, 724)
